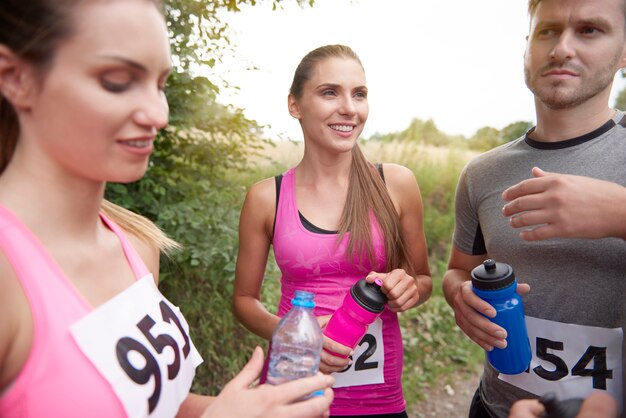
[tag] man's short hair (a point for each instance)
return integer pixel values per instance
(532, 6)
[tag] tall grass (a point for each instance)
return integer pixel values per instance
(435, 350)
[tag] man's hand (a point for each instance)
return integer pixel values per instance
(597, 405)
(470, 313)
(553, 205)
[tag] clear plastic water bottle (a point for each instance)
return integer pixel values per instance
(296, 342)
(495, 283)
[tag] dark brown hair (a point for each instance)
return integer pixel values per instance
(366, 189)
(32, 30)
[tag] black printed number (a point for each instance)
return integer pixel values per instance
(360, 363)
(560, 369)
(599, 373)
(125, 345)
(141, 376)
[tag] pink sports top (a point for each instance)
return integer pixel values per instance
(61, 378)
(312, 261)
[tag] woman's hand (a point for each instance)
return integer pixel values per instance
(237, 399)
(399, 287)
(330, 363)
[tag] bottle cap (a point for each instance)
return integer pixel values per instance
(303, 298)
(369, 295)
(491, 275)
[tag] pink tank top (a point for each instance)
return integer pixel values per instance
(57, 380)
(312, 261)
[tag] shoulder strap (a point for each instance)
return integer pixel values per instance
(279, 180)
(379, 167)
(136, 263)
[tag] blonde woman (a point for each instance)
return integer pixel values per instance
(84, 331)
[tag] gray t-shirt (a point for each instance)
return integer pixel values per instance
(573, 281)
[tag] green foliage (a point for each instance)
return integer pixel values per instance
(419, 131)
(514, 130)
(487, 137)
(435, 349)
(484, 139)
(187, 190)
(199, 37)
(620, 101)
(437, 180)
(426, 132)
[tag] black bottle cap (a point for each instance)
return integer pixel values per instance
(491, 275)
(369, 295)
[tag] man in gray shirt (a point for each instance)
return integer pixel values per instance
(562, 227)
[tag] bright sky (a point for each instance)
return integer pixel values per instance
(457, 62)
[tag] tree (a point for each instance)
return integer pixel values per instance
(419, 131)
(620, 101)
(187, 190)
(514, 130)
(485, 138)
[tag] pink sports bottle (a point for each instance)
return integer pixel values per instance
(361, 306)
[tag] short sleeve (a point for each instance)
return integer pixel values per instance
(468, 237)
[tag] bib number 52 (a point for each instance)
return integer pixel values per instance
(361, 362)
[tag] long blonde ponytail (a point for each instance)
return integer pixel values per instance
(140, 226)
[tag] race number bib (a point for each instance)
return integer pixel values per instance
(140, 343)
(368, 361)
(571, 360)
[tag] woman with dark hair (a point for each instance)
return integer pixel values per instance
(332, 220)
(85, 331)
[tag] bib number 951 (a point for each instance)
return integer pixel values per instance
(141, 375)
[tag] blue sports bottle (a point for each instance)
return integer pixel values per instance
(495, 283)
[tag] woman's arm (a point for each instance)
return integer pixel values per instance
(237, 399)
(241, 399)
(255, 231)
(16, 331)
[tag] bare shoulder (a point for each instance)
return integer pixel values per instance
(259, 207)
(262, 193)
(399, 179)
(149, 253)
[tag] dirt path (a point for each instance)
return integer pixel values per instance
(447, 401)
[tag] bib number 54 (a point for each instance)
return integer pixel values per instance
(596, 355)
